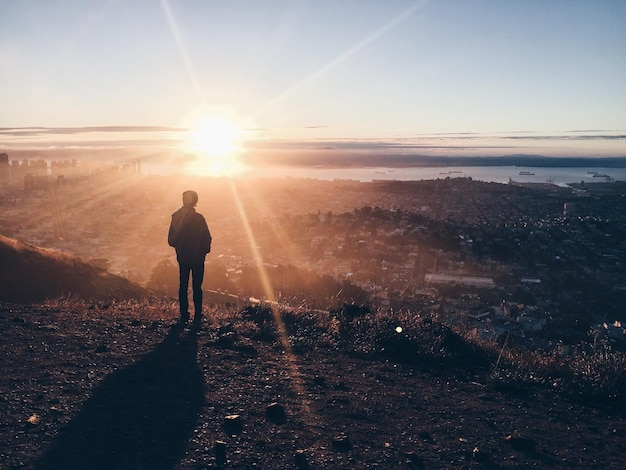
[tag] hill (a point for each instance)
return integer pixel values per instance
(120, 385)
(31, 274)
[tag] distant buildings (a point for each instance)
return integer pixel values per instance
(569, 209)
(43, 175)
(4, 168)
(474, 281)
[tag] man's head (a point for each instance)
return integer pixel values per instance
(190, 198)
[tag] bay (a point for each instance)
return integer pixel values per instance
(561, 176)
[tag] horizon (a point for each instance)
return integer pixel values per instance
(224, 81)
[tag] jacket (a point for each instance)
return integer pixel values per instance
(189, 235)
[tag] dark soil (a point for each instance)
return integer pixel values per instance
(124, 388)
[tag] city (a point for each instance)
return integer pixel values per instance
(541, 263)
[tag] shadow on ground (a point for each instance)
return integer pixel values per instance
(139, 417)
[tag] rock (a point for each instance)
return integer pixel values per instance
(33, 420)
(479, 456)
(342, 443)
(219, 449)
(301, 460)
(521, 443)
(275, 412)
(233, 425)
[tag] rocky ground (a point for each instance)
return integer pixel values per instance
(122, 387)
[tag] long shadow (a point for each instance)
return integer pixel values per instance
(140, 417)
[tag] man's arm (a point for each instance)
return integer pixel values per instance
(172, 234)
(207, 236)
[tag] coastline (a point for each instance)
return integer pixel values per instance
(559, 176)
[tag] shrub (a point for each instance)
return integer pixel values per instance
(595, 373)
(405, 336)
(262, 316)
(598, 373)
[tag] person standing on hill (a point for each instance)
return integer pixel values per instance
(190, 236)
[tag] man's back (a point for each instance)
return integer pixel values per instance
(190, 235)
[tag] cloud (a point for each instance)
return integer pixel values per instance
(569, 137)
(34, 131)
(582, 143)
(95, 137)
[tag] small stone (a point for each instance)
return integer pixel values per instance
(275, 412)
(521, 443)
(233, 424)
(479, 456)
(34, 420)
(219, 448)
(301, 460)
(342, 443)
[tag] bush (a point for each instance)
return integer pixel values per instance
(263, 317)
(406, 337)
(596, 373)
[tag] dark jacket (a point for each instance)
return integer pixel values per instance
(190, 235)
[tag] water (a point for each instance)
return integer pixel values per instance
(495, 174)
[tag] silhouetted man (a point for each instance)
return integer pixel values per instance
(190, 236)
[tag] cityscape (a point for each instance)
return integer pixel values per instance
(538, 262)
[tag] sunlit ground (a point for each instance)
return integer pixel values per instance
(268, 288)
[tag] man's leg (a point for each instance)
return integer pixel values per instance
(183, 288)
(196, 283)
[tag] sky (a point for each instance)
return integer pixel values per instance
(459, 77)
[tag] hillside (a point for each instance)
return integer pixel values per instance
(31, 274)
(120, 385)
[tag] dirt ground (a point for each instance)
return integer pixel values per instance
(108, 389)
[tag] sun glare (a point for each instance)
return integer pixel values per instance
(216, 143)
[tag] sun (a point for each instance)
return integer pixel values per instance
(214, 135)
(216, 142)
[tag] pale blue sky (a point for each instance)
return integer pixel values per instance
(325, 69)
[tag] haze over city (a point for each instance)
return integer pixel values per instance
(219, 81)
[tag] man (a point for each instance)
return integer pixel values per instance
(190, 236)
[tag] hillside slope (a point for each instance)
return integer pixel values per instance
(31, 274)
(117, 386)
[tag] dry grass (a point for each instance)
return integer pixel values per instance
(593, 373)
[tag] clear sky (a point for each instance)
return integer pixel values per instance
(363, 71)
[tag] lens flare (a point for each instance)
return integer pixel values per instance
(268, 290)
